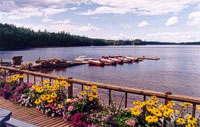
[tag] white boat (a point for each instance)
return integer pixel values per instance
(83, 59)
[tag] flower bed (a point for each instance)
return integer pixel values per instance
(86, 110)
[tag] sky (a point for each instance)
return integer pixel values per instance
(150, 20)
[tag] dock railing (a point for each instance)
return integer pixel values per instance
(167, 96)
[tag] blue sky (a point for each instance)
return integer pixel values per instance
(152, 20)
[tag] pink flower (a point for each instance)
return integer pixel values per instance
(70, 108)
(81, 97)
(75, 100)
(130, 122)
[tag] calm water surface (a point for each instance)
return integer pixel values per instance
(177, 71)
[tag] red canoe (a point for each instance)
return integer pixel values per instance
(107, 61)
(96, 63)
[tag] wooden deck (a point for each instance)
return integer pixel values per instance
(32, 115)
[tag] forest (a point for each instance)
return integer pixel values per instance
(13, 38)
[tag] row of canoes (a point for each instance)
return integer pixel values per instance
(108, 60)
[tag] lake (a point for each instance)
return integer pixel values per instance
(178, 70)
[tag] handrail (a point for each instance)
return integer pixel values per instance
(167, 96)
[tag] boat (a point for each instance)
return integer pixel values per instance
(125, 60)
(132, 58)
(118, 61)
(96, 63)
(83, 59)
(107, 61)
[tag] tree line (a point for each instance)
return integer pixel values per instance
(12, 37)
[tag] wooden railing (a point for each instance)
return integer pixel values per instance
(126, 90)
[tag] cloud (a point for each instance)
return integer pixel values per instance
(126, 26)
(73, 8)
(46, 20)
(172, 21)
(88, 27)
(141, 7)
(143, 23)
(105, 10)
(23, 9)
(194, 19)
(188, 36)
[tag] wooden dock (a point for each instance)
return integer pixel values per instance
(32, 115)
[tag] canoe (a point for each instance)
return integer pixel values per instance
(96, 63)
(107, 61)
(118, 61)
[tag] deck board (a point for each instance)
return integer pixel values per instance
(32, 115)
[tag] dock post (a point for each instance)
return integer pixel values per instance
(70, 88)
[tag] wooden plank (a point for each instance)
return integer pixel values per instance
(31, 115)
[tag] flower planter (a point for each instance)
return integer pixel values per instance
(6, 95)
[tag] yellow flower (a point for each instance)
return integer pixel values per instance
(198, 107)
(87, 87)
(183, 106)
(188, 104)
(37, 101)
(176, 112)
(95, 96)
(135, 111)
(1, 70)
(94, 87)
(39, 89)
(180, 121)
(94, 90)
(43, 97)
(157, 113)
(21, 76)
(90, 94)
(59, 105)
(192, 121)
(50, 100)
(68, 100)
(91, 98)
(83, 93)
(170, 104)
(53, 95)
(188, 116)
(151, 119)
(48, 96)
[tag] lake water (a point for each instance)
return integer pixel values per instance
(178, 70)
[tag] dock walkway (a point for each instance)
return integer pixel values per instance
(32, 115)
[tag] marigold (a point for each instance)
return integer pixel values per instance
(43, 97)
(180, 121)
(50, 100)
(91, 98)
(68, 100)
(83, 93)
(53, 95)
(37, 101)
(87, 87)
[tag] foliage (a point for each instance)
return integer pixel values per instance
(12, 37)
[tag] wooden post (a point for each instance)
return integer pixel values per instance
(42, 78)
(110, 96)
(21, 79)
(34, 79)
(82, 87)
(70, 88)
(193, 110)
(144, 98)
(126, 96)
(166, 97)
(27, 77)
